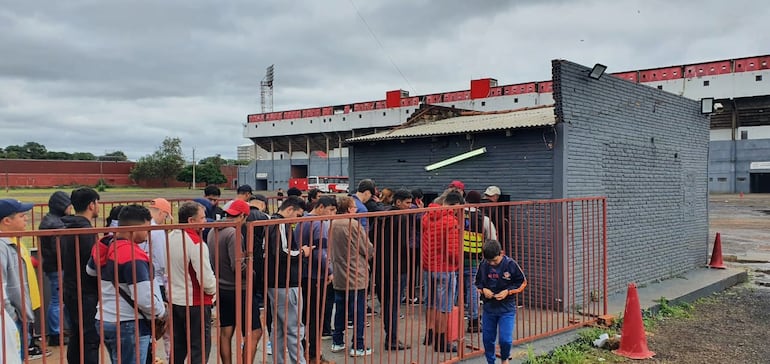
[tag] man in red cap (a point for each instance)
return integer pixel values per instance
(459, 186)
(229, 250)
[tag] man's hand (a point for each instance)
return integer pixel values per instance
(307, 250)
(487, 293)
(502, 295)
(330, 278)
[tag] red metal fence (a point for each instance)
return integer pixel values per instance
(390, 291)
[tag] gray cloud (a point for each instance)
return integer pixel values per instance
(105, 75)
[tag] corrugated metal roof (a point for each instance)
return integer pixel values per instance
(468, 124)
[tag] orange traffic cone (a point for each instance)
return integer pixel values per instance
(716, 254)
(633, 342)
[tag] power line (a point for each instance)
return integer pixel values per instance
(361, 16)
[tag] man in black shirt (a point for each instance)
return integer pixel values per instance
(81, 292)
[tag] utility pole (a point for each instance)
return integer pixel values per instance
(193, 181)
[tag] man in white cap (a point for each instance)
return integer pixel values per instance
(491, 194)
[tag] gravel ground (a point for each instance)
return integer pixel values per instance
(730, 327)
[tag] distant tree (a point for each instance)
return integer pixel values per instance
(216, 160)
(117, 153)
(58, 155)
(146, 168)
(113, 156)
(163, 164)
(16, 152)
(35, 150)
(207, 173)
(83, 156)
(238, 162)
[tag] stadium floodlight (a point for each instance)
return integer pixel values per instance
(597, 71)
(706, 105)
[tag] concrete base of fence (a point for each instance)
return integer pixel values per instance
(687, 288)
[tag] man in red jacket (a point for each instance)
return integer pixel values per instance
(441, 255)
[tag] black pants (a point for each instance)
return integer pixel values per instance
(199, 351)
(327, 323)
(88, 334)
(389, 293)
(316, 295)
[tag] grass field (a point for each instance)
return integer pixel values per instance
(41, 195)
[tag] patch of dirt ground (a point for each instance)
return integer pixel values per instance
(729, 327)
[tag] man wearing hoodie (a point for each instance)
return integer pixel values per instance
(59, 205)
(16, 295)
(441, 255)
(81, 291)
(283, 259)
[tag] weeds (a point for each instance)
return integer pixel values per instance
(568, 354)
(581, 350)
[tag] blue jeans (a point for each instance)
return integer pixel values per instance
(53, 305)
(493, 324)
(471, 293)
(128, 343)
(442, 291)
(349, 304)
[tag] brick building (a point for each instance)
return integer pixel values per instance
(645, 149)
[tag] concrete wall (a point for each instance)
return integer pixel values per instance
(730, 162)
(647, 151)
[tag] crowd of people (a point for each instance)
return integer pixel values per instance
(314, 272)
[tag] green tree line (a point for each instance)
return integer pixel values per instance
(34, 150)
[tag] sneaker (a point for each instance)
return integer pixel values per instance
(326, 336)
(350, 324)
(369, 311)
(360, 352)
(336, 348)
(416, 301)
(269, 348)
(34, 352)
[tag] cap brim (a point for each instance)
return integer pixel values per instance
(25, 207)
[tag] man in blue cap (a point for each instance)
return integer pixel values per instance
(16, 298)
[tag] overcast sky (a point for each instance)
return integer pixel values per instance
(99, 76)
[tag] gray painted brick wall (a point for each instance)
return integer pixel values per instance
(520, 165)
(646, 150)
